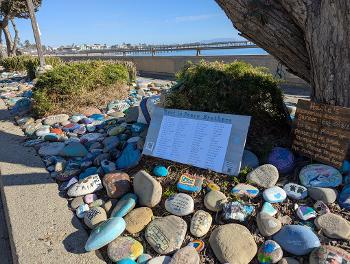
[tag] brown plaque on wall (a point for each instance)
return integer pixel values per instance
(322, 132)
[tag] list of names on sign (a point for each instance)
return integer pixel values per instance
(322, 132)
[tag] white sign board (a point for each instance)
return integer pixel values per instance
(205, 140)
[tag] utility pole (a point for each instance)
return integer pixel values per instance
(36, 32)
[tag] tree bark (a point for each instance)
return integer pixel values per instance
(310, 37)
(16, 38)
(8, 37)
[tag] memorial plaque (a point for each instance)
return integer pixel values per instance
(206, 140)
(322, 132)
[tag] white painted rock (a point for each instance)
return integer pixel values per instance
(295, 191)
(88, 185)
(200, 223)
(179, 204)
(54, 119)
(274, 195)
(95, 216)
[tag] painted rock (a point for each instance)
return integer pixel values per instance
(282, 158)
(76, 202)
(328, 254)
(124, 205)
(295, 191)
(214, 201)
(179, 204)
(190, 183)
(42, 131)
(242, 247)
(211, 186)
(129, 157)
(267, 224)
(98, 117)
(70, 127)
(81, 210)
(95, 216)
(160, 260)
(236, 211)
(67, 184)
(126, 261)
(143, 259)
(305, 212)
(105, 233)
(88, 172)
(52, 137)
(90, 137)
(137, 127)
(270, 252)
(89, 198)
(269, 209)
(90, 184)
(319, 175)
(138, 219)
(51, 149)
(321, 208)
(148, 189)
(74, 149)
(160, 171)
(327, 195)
(97, 203)
(108, 166)
(242, 189)
(185, 255)
(117, 184)
(166, 234)
(197, 244)
(76, 118)
(297, 240)
(264, 176)
(54, 119)
(288, 260)
(200, 223)
(114, 131)
(344, 197)
(124, 247)
(333, 226)
(249, 160)
(274, 195)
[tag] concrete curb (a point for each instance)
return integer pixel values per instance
(41, 227)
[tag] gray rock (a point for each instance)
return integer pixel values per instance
(51, 149)
(333, 226)
(132, 114)
(179, 204)
(233, 244)
(166, 234)
(214, 201)
(264, 176)
(288, 261)
(147, 189)
(200, 223)
(94, 216)
(267, 224)
(160, 260)
(186, 255)
(138, 219)
(76, 202)
(326, 195)
(54, 119)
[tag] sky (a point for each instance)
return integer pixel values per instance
(64, 22)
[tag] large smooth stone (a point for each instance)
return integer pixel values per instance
(105, 233)
(295, 191)
(148, 189)
(95, 216)
(329, 254)
(326, 195)
(214, 201)
(138, 219)
(319, 175)
(297, 240)
(160, 260)
(249, 160)
(333, 226)
(124, 247)
(124, 205)
(243, 190)
(184, 255)
(344, 197)
(282, 158)
(54, 119)
(264, 176)
(129, 158)
(233, 244)
(274, 195)
(74, 149)
(267, 224)
(88, 185)
(166, 234)
(237, 211)
(270, 252)
(200, 223)
(179, 204)
(51, 149)
(117, 184)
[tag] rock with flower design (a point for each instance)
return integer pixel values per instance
(270, 252)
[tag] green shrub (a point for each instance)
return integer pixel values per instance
(235, 88)
(72, 86)
(32, 65)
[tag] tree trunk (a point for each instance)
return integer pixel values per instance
(310, 37)
(2, 53)
(8, 37)
(16, 38)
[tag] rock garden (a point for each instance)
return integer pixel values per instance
(88, 122)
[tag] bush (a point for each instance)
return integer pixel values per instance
(72, 86)
(235, 88)
(34, 63)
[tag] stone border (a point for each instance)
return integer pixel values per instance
(41, 227)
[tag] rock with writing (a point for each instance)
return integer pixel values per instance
(190, 183)
(186, 255)
(90, 184)
(200, 223)
(179, 204)
(295, 191)
(124, 247)
(94, 217)
(320, 175)
(333, 226)
(264, 176)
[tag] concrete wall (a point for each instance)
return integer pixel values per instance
(167, 66)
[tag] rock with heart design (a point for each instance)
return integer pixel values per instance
(267, 224)
(274, 195)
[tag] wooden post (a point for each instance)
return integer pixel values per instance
(36, 32)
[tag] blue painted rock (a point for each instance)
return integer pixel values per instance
(80, 130)
(282, 158)
(344, 197)
(346, 166)
(160, 260)
(328, 255)
(88, 185)
(108, 166)
(105, 233)
(94, 217)
(124, 205)
(98, 117)
(126, 261)
(333, 226)
(88, 172)
(319, 175)
(305, 212)
(81, 210)
(249, 160)
(124, 247)
(264, 176)
(117, 184)
(23, 105)
(52, 137)
(133, 140)
(129, 158)
(137, 127)
(51, 149)
(190, 183)
(65, 185)
(74, 149)
(179, 204)
(148, 189)
(297, 240)
(160, 171)
(295, 191)
(267, 224)
(236, 211)
(321, 208)
(185, 255)
(143, 259)
(268, 209)
(91, 137)
(200, 223)
(243, 189)
(274, 195)
(76, 118)
(87, 121)
(270, 252)
(197, 244)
